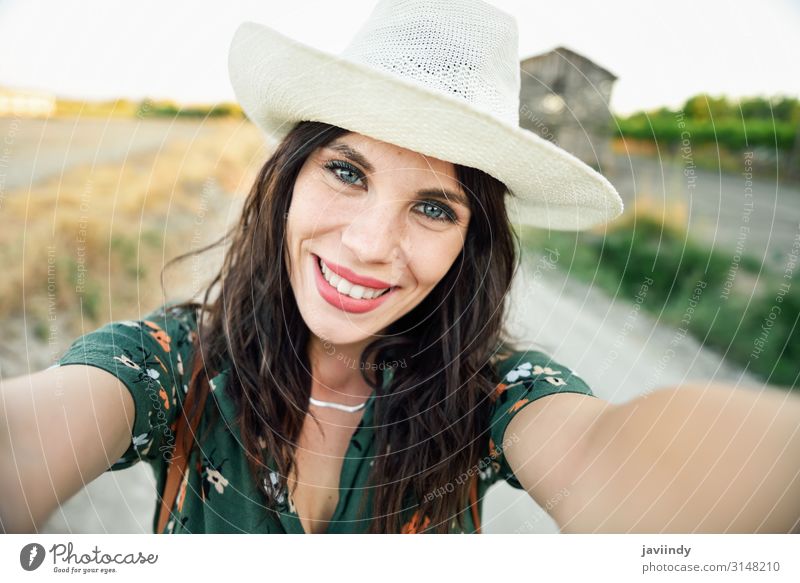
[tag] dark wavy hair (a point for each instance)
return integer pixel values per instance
(431, 422)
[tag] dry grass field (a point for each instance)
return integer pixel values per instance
(86, 244)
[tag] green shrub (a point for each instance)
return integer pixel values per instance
(733, 125)
(641, 248)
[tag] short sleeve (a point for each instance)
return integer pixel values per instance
(524, 377)
(150, 357)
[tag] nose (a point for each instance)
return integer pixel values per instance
(378, 233)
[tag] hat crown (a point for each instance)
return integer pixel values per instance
(464, 48)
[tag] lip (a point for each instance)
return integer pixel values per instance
(342, 301)
(355, 278)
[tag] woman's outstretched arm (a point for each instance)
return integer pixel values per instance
(60, 428)
(690, 459)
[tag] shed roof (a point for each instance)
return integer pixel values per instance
(579, 61)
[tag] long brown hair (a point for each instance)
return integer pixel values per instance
(432, 424)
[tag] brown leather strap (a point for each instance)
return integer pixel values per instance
(176, 468)
(473, 503)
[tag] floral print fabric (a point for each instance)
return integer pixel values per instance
(152, 357)
(524, 378)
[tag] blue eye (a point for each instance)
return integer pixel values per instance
(439, 213)
(342, 169)
(350, 175)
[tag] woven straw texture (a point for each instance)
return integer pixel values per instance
(437, 77)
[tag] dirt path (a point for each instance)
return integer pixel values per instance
(733, 212)
(37, 149)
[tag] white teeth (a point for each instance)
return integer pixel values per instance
(346, 287)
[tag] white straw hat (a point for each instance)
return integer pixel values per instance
(439, 77)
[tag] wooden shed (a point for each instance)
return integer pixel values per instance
(564, 98)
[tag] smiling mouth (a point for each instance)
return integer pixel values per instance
(348, 288)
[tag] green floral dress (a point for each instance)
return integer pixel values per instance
(151, 357)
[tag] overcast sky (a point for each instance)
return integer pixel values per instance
(662, 52)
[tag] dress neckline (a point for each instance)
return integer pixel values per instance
(355, 454)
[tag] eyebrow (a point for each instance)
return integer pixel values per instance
(439, 193)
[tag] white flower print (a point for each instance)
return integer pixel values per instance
(217, 479)
(526, 369)
(140, 440)
(142, 443)
(153, 373)
(180, 365)
(523, 370)
(272, 487)
(557, 381)
(127, 362)
(553, 380)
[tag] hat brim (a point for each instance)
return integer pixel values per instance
(279, 81)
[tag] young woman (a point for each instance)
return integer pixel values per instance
(358, 375)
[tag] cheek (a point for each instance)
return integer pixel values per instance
(428, 266)
(314, 208)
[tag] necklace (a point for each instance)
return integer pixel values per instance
(338, 406)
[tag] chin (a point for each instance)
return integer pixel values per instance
(331, 326)
(338, 335)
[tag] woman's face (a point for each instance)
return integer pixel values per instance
(378, 218)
